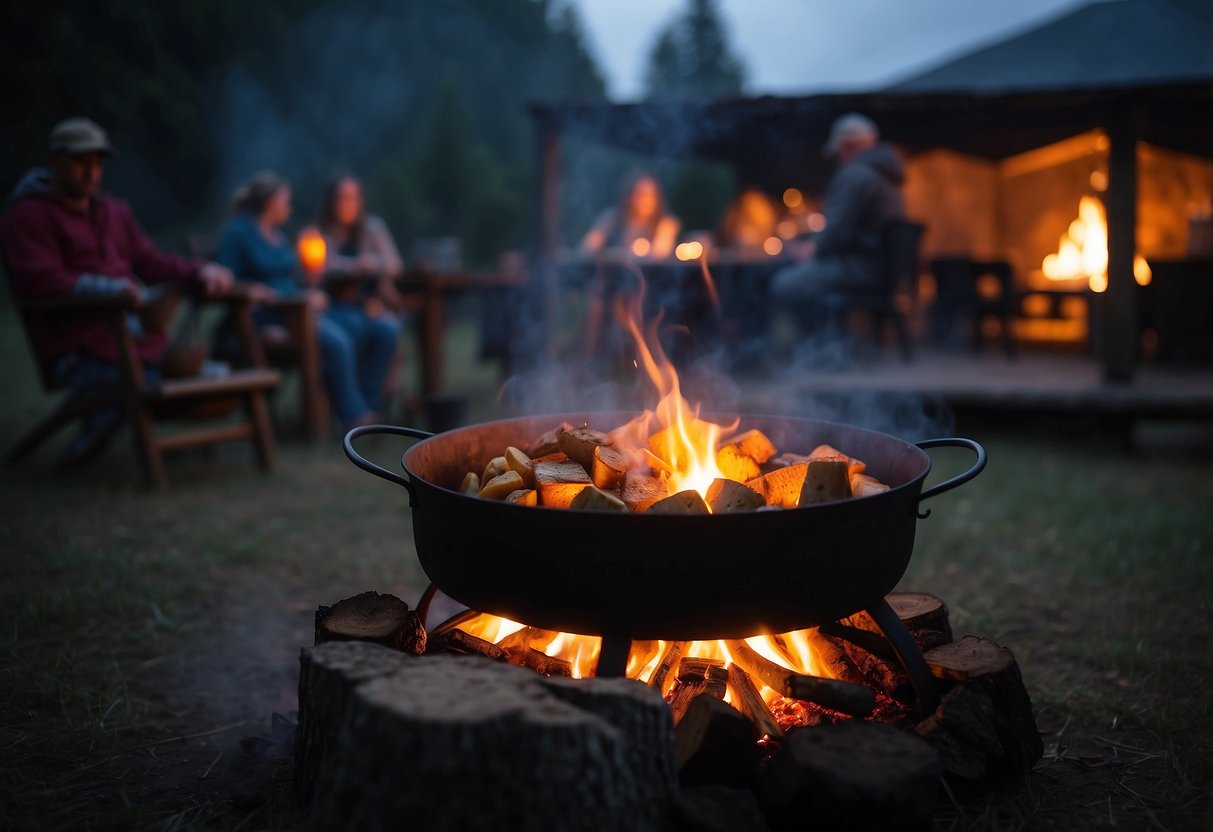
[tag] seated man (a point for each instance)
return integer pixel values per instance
(861, 198)
(61, 235)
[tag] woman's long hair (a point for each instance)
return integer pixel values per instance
(328, 209)
(623, 209)
(252, 197)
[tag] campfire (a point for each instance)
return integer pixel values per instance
(1082, 252)
(708, 596)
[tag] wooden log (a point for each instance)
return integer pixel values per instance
(526, 637)
(920, 611)
(714, 743)
(669, 660)
(850, 776)
(682, 694)
(458, 743)
(694, 667)
(968, 658)
(984, 728)
(835, 694)
(640, 654)
(380, 619)
(750, 703)
(883, 674)
(458, 643)
(327, 675)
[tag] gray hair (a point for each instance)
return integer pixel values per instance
(847, 128)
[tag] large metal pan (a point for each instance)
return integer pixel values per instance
(648, 576)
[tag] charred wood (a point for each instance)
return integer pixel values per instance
(381, 619)
(750, 703)
(835, 694)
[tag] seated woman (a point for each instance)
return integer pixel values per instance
(359, 244)
(355, 360)
(639, 226)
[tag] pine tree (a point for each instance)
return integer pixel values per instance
(692, 56)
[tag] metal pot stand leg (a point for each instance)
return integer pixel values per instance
(908, 656)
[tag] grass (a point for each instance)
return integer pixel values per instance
(143, 635)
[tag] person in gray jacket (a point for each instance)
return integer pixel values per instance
(862, 197)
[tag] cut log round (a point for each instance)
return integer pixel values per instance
(984, 728)
(327, 675)
(460, 743)
(381, 619)
(962, 660)
(853, 775)
(920, 611)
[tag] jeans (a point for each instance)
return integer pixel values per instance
(81, 373)
(357, 353)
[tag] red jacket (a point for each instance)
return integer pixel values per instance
(49, 248)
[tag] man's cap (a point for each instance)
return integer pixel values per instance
(80, 135)
(847, 128)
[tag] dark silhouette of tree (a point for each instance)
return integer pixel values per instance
(692, 56)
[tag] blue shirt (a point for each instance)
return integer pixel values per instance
(251, 257)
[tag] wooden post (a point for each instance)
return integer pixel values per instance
(1119, 348)
(542, 295)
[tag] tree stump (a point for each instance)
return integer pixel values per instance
(984, 729)
(381, 619)
(460, 743)
(327, 675)
(851, 776)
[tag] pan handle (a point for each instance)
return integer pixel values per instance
(372, 468)
(959, 479)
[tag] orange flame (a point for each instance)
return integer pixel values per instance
(1082, 252)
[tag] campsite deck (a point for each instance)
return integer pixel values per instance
(1035, 383)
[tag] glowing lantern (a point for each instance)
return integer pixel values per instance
(772, 245)
(793, 198)
(313, 252)
(689, 251)
(641, 247)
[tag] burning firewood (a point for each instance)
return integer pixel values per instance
(736, 465)
(559, 482)
(523, 497)
(749, 701)
(610, 467)
(516, 460)
(470, 484)
(459, 643)
(826, 480)
(856, 466)
(548, 443)
(579, 444)
(501, 486)
(684, 502)
(864, 486)
(727, 497)
(669, 660)
(496, 467)
(640, 491)
(595, 499)
(782, 486)
(835, 694)
(696, 677)
(755, 444)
